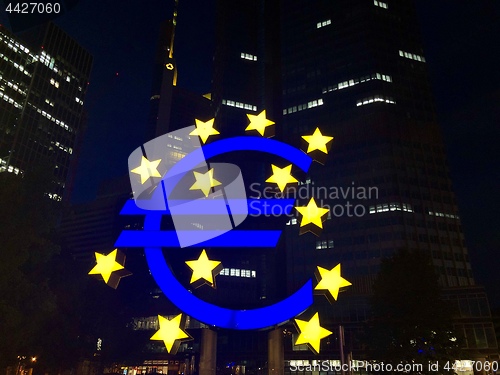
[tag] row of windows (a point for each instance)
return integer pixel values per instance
(10, 168)
(390, 207)
(450, 216)
(301, 107)
(13, 86)
(13, 45)
(53, 119)
(16, 65)
(381, 4)
(236, 272)
(355, 81)
(247, 56)
(8, 99)
(69, 150)
(374, 99)
(232, 103)
(411, 56)
(332, 363)
(177, 138)
(54, 197)
(319, 25)
(54, 83)
(325, 244)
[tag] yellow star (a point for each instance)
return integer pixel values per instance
(204, 182)
(106, 265)
(147, 169)
(204, 268)
(259, 122)
(311, 333)
(204, 129)
(281, 176)
(170, 332)
(317, 141)
(312, 214)
(331, 281)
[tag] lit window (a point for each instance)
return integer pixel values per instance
(301, 107)
(248, 56)
(355, 81)
(380, 4)
(385, 207)
(53, 82)
(440, 214)
(322, 245)
(232, 103)
(374, 99)
(323, 23)
(235, 272)
(411, 56)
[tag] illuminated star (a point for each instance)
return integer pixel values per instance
(204, 182)
(312, 214)
(259, 122)
(204, 129)
(147, 169)
(330, 281)
(317, 141)
(111, 267)
(281, 176)
(311, 332)
(171, 333)
(204, 268)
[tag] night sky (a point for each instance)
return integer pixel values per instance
(463, 57)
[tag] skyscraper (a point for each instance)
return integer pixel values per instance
(357, 70)
(43, 84)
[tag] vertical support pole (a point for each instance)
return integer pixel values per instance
(341, 347)
(275, 352)
(208, 352)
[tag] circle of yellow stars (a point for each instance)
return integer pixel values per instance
(204, 270)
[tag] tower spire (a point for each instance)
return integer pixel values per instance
(174, 23)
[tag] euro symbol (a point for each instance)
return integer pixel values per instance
(152, 238)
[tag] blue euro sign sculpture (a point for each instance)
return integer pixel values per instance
(209, 221)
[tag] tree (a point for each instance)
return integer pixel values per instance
(27, 222)
(412, 323)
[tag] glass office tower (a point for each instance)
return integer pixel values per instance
(43, 82)
(357, 70)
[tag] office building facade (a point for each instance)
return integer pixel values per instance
(357, 70)
(44, 78)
